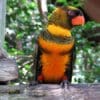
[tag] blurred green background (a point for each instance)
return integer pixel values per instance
(24, 23)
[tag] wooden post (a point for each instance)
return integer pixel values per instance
(2, 27)
(2, 21)
(8, 67)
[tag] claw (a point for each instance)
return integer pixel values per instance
(33, 83)
(65, 84)
(40, 78)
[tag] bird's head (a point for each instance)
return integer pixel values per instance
(67, 17)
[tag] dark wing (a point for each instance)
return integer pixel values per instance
(37, 66)
(69, 71)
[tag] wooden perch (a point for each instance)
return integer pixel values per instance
(51, 92)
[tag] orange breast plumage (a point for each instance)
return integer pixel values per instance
(54, 63)
(56, 44)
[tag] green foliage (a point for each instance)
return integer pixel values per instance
(22, 25)
(20, 22)
(75, 3)
(62, 1)
(87, 62)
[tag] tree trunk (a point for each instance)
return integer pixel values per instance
(92, 8)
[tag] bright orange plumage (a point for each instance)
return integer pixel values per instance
(54, 64)
(55, 45)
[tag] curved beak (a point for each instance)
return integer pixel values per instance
(78, 20)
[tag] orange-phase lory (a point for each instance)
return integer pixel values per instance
(55, 55)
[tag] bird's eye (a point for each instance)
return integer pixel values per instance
(71, 13)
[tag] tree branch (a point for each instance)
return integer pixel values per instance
(42, 7)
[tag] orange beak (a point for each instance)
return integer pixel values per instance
(78, 20)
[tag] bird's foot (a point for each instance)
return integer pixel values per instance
(40, 78)
(65, 84)
(33, 83)
(39, 81)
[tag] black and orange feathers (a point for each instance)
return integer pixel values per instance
(55, 46)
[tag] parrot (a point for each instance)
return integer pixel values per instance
(54, 50)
